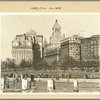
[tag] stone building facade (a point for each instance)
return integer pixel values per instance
(90, 48)
(52, 55)
(76, 47)
(81, 49)
(52, 49)
(71, 47)
(22, 46)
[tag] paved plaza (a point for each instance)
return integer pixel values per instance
(61, 86)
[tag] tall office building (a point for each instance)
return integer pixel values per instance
(90, 48)
(71, 47)
(22, 47)
(52, 49)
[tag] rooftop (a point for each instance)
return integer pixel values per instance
(56, 25)
(31, 32)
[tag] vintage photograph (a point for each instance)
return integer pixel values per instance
(50, 53)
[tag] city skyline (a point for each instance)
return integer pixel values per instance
(42, 24)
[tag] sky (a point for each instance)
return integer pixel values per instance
(11, 25)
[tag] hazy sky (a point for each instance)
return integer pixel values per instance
(11, 25)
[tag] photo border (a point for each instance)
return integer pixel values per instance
(90, 8)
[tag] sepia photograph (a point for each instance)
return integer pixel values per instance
(50, 53)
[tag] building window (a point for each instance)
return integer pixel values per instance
(91, 49)
(71, 48)
(95, 42)
(91, 42)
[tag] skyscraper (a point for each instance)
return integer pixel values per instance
(52, 49)
(22, 47)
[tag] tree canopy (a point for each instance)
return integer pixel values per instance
(25, 64)
(71, 63)
(8, 64)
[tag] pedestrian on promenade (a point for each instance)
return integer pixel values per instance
(76, 85)
(5, 78)
(53, 82)
(38, 77)
(7, 81)
(68, 76)
(32, 77)
(2, 83)
(29, 82)
(24, 84)
(50, 85)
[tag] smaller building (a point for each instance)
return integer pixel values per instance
(52, 54)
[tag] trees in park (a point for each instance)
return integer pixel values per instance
(67, 63)
(90, 65)
(36, 54)
(11, 64)
(70, 63)
(3, 65)
(42, 65)
(25, 64)
(56, 65)
(8, 64)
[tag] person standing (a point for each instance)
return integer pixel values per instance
(29, 82)
(24, 84)
(7, 81)
(50, 85)
(2, 84)
(53, 82)
(76, 85)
